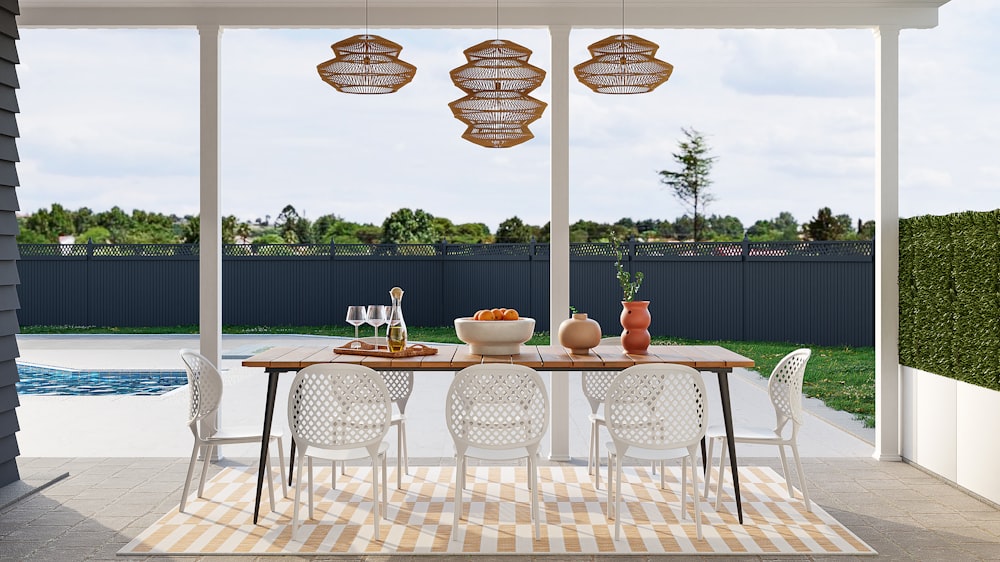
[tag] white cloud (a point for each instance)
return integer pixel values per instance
(110, 117)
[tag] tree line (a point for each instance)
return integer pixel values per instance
(46, 226)
(689, 182)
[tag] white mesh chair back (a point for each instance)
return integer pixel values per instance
(785, 387)
(595, 387)
(497, 406)
(657, 406)
(400, 386)
(205, 384)
(333, 406)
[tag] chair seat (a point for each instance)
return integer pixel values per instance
(344, 454)
(643, 454)
(747, 434)
(240, 434)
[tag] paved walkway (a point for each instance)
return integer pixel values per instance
(98, 470)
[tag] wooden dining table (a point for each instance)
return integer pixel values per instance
(449, 358)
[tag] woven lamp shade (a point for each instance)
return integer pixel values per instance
(497, 135)
(497, 107)
(366, 64)
(623, 64)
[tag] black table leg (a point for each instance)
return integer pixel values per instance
(265, 439)
(727, 415)
(291, 462)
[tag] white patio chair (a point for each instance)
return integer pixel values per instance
(498, 412)
(400, 384)
(784, 387)
(205, 385)
(339, 412)
(655, 412)
(595, 388)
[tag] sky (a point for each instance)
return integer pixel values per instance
(110, 117)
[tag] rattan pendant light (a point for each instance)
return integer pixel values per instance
(497, 80)
(623, 64)
(366, 64)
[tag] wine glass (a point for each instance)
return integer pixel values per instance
(356, 316)
(376, 317)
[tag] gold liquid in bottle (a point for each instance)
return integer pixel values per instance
(396, 336)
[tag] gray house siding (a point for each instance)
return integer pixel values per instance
(8, 245)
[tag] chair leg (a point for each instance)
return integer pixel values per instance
(399, 456)
(684, 489)
(459, 487)
(694, 494)
(708, 470)
(722, 472)
(333, 475)
(591, 457)
(385, 488)
(298, 491)
(533, 477)
(375, 502)
(802, 477)
(784, 468)
(190, 472)
(270, 480)
(281, 468)
(611, 481)
(206, 458)
(309, 469)
(618, 497)
(662, 477)
(406, 449)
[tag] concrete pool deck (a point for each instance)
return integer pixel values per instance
(154, 426)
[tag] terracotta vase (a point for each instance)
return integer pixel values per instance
(579, 334)
(635, 321)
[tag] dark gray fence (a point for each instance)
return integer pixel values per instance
(820, 293)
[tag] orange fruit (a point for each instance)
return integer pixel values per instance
(503, 311)
(478, 315)
(497, 314)
(486, 315)
(511, 314)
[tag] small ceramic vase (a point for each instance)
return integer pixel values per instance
(579, 334)
(635, 321)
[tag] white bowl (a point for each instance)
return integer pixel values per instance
(494, 337)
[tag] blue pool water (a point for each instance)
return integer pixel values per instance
(56, 381)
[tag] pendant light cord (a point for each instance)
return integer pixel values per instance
(366, 17)
(498, 20)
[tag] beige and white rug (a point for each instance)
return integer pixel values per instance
(498, 521)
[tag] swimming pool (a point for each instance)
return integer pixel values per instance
(57, 381)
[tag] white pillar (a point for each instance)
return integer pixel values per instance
(559, 234)
(887, 394)
(210, 234)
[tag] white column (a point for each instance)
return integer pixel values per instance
(210, 235)
(559, 234)
(887, 394)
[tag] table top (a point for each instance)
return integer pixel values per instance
(538, 357)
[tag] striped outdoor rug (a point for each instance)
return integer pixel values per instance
(572, 517)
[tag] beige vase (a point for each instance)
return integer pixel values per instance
(579, 334)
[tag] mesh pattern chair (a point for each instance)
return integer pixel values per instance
(400, 385)
(654, 413)
(205, 385)
(497, 412)
(339, 413)
(784, 388)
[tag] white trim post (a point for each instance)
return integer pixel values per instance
(559, 234)
(887, 383)
(210, 204)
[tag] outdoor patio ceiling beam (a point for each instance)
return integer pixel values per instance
(471, 14)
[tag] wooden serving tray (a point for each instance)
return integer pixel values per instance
(358, 347)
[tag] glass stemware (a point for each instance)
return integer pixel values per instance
(376, 317)
(356, 316)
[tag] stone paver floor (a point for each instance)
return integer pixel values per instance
(902, 512)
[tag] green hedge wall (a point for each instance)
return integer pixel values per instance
(949, 296)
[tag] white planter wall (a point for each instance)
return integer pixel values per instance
(948, 428)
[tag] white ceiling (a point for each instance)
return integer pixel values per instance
(481, 13)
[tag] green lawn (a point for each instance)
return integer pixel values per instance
(842, 377)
